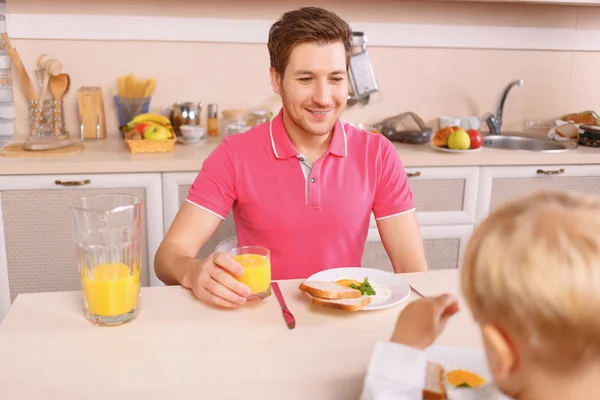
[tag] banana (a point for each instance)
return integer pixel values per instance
(150, 117)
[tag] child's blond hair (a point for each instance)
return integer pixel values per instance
(533, 268)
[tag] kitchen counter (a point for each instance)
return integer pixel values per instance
(112, 156)
(179, 347)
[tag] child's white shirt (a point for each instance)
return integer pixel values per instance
(397, 372)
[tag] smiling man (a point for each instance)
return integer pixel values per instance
(303, 185)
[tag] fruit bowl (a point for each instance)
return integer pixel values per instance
(447, 150)
(149, 133)
(454, 139)
(136, 145)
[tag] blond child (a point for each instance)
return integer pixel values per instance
(531, 279)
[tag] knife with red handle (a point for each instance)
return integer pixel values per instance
(287, 315)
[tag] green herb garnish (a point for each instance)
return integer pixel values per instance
(464, 384)
(365, 288)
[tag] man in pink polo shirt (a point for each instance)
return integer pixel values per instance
(303, 185)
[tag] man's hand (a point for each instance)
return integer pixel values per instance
(422, 321)
(212, 281)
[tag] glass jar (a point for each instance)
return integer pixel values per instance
(258, 117)
(234, 122)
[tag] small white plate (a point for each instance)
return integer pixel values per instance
(183, 140)
(447, 150)
(399, 287)
(458, 357)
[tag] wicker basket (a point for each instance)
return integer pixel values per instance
(149, 146)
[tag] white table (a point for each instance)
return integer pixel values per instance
(181, 348)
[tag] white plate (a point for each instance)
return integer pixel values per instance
(458, 357)
(399, 287)
(454, 151)
(183, 140)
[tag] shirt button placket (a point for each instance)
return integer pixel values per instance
(314, 193)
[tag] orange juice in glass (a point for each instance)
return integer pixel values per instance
(107, 232)
(256, 261)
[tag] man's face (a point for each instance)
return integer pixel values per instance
(314, 86)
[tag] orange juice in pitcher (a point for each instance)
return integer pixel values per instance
(107, 232)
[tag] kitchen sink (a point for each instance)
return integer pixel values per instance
(517, 142)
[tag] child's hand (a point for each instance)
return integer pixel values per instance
(421, 322)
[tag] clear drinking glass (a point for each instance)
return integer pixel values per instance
(256, 261)
(107, 231)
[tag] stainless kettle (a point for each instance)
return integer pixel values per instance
(186, 113)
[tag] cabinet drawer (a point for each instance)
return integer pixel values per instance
(443, 195)
(444, 247)
(499, 185)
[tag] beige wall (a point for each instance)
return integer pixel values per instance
(431, 82)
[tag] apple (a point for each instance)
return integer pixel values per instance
(156, 132)
(140, 128)
(476, 139)
(459, 140)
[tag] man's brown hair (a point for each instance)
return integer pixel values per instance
(306, 25)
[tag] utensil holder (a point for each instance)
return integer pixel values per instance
(50, 118)
(129, 107)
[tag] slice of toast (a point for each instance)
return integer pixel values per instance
(567, 131)
(329, 290)
(343, 304)
(434, 382)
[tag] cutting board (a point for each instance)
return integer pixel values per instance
(15, 149)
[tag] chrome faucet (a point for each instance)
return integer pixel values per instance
(494, 122)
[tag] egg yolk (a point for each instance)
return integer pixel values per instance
(459, 377)
(348, 282)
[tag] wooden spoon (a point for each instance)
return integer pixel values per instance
(59, 85)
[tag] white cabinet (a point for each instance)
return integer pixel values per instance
(445, 202)
(443, 195)
(444, 247)
(37, 253)
(498, 185)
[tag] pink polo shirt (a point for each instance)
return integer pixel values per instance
(311, 218)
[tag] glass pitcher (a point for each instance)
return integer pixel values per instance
(107, 230)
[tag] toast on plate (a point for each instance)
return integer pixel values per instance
(329, 290)
(567, 131)
(343, 304)
(434, 382)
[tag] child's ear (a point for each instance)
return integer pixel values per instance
(504, 357)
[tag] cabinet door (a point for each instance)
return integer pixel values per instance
(175, 190)
(443, 195)
(37, 253)
(498, 185)
(444, 247)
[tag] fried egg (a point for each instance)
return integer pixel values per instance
(459, 377)
(382, 292)
(347, 281)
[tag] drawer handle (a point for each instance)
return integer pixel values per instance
(551, 172)
(413, 174)
(73, 183)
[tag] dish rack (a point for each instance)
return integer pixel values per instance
(407, 127)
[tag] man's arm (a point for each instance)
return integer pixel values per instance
(401, 238)
(192, 228)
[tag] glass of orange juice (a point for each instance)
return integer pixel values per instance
(256, 261)
(107, 231)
